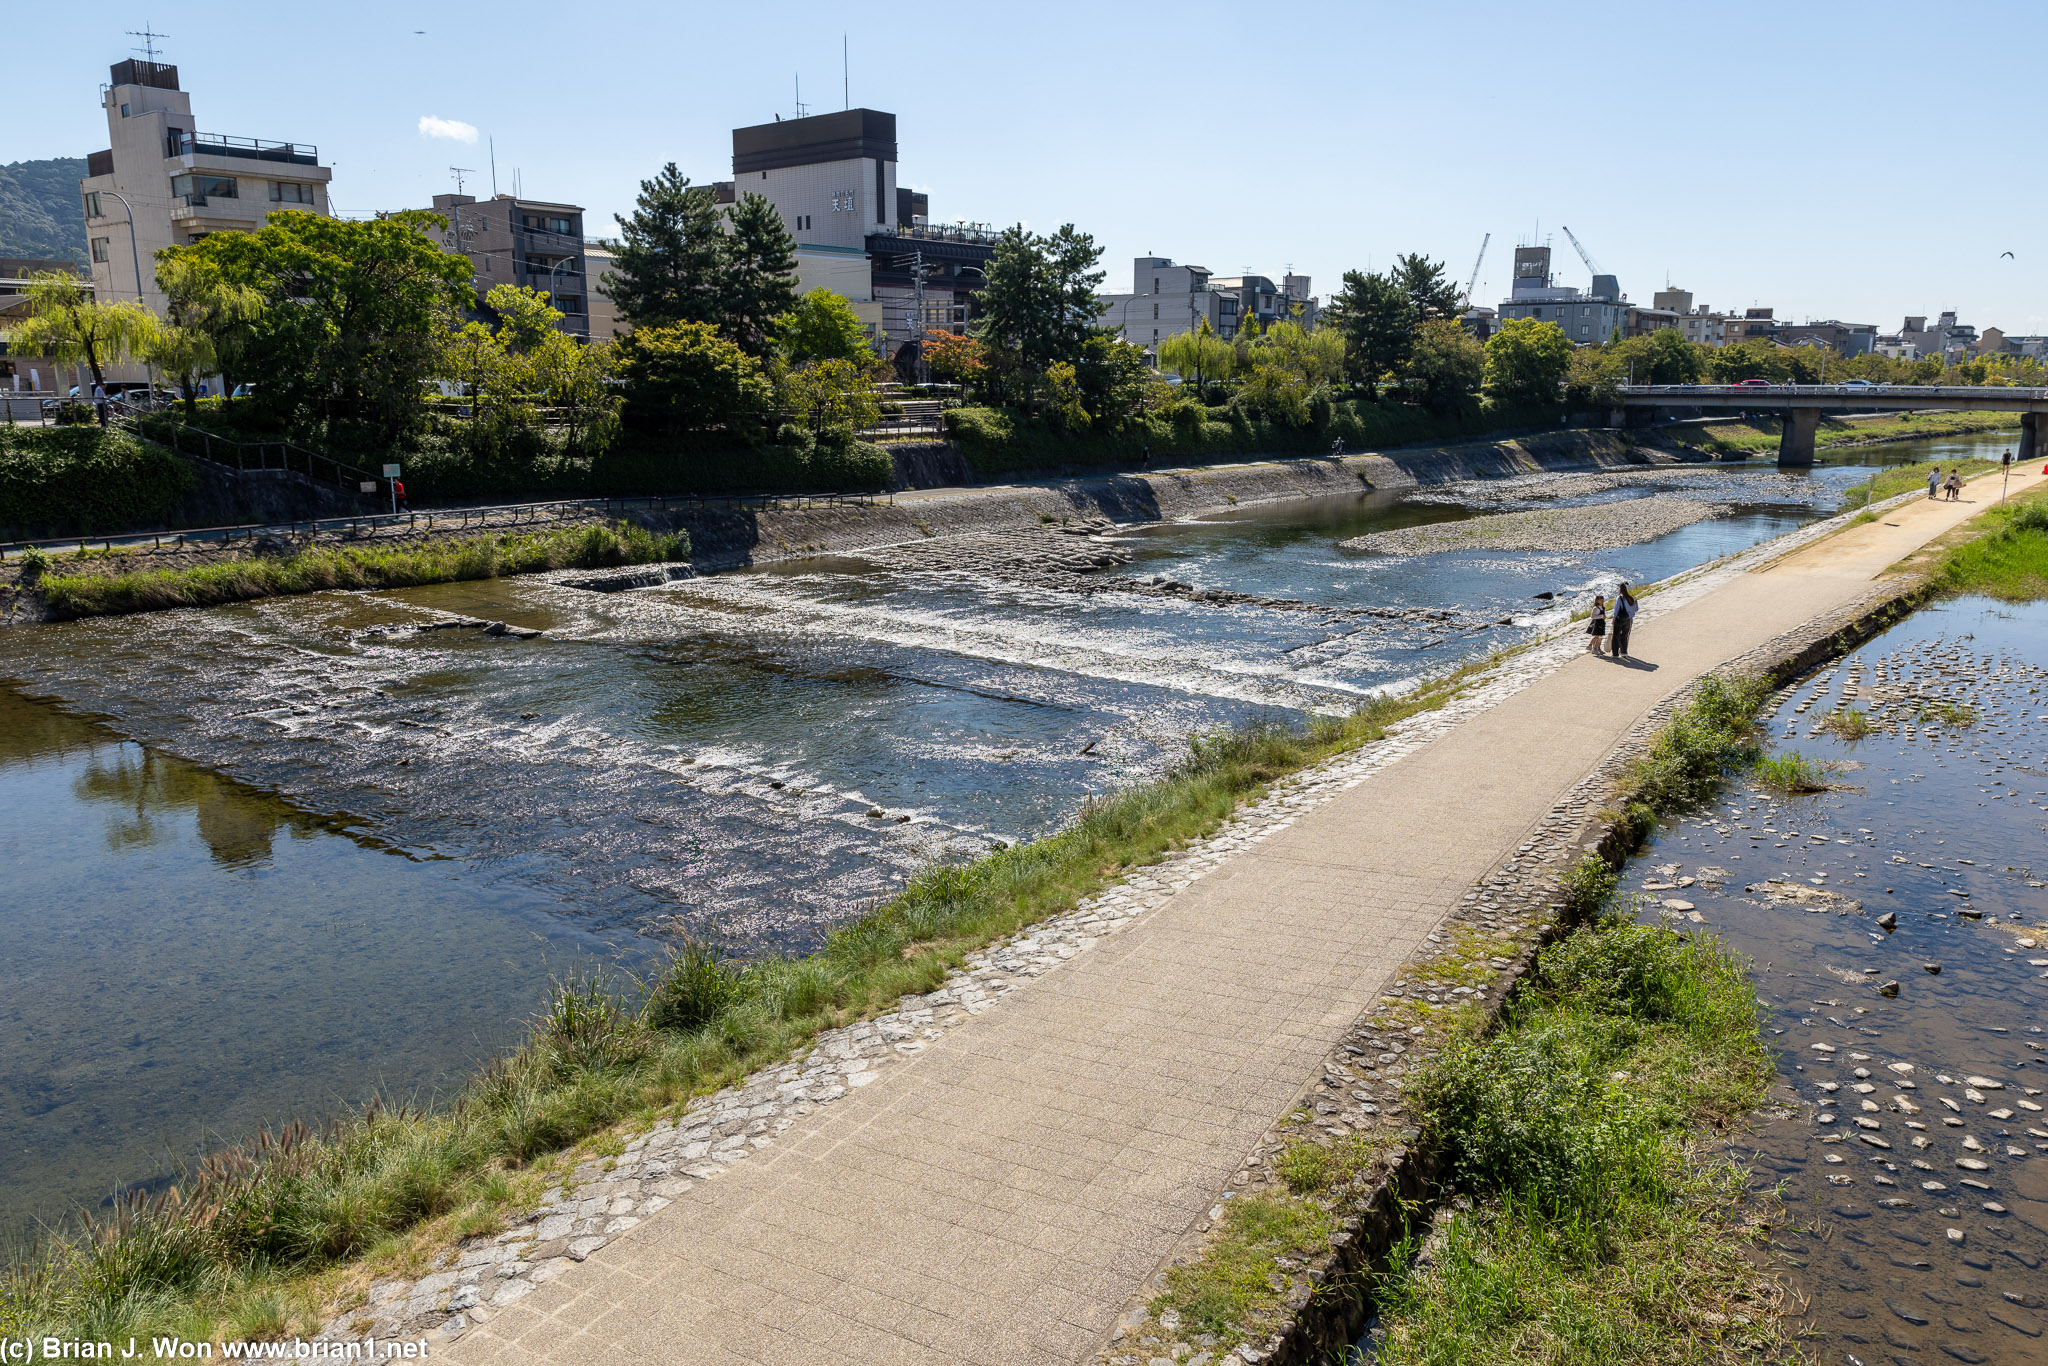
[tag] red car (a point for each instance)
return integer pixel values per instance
(1751, 384)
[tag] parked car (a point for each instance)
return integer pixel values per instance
(1751, 384)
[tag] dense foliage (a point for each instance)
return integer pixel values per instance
(61, 481)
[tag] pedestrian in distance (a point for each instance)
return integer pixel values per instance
(1934, 481)
(1955, 483)
(398, 496)
(1596, 629)
(1624, 621)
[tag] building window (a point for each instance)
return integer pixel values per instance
(124, 111)
(1155, 312)
(880, 217)
(198, 188)
(289, 192)
(1584, 330)
(99, 248)
(92, 205)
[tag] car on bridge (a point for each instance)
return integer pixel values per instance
(1751, 384)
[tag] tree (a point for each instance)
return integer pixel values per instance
(1200, 356)
(954, 359)
(354, 313)
(1526, 361)
(822, 326)
(212, 319)
(1040, 303)
(526, 317)
(833, 395)
(1292, 370)
(1063, 406)
(1430, 295)
(758, 283)
(1750, 360)
(1665, 357)
(669, 255)
(69, 326)
(1376, 319)
(685, 377)
(1112, 375)
(1445, 365)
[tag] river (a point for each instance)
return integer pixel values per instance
(272, 859)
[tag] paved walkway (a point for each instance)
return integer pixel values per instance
(1001, 1197)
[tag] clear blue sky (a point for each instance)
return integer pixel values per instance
(1859, 161)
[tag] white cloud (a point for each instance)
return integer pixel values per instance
(455, 130)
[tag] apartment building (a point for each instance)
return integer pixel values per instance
(534, 243)
(169, 184)
(1695, 322)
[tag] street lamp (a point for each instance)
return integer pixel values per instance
(135, 254)
(553, 293)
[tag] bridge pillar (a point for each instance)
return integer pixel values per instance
(1618, 417)
(2031, 445)
(1795, 442)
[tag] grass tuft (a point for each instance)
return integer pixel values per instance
(1792, 773)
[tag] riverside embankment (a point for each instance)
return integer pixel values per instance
(680, 752)
(1290, 943)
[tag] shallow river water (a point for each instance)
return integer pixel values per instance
(1912, 1058)
(269, 859)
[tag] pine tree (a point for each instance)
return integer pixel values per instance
(670, 255)
(758, 284)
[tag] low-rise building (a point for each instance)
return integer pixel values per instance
(1166, 298)
(163, 182)
(1755, 324)
(29, 372)
(1851, 339)
(1696, 322)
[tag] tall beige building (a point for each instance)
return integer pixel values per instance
(178, 183)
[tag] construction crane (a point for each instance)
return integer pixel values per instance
(1591, 269)
(1465, 299)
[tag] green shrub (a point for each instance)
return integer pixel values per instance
(62, 481)
(698, 985)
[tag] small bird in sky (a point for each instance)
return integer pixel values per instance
(421, 32)
(2008, 256)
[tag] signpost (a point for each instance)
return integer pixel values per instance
(391, 476)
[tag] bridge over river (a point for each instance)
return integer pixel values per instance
(1801, 406)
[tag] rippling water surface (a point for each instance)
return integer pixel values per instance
(758, 754)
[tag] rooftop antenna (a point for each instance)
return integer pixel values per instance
(494, 168)
(459, 172)
(845, 74)
(799, 94)
(148, 37)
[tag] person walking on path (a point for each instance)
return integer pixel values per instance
(1597, 627)
(1955, 483)
(1624, 621)
(1933, 480)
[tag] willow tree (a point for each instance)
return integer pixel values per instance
(1199, 356)
(71, 327)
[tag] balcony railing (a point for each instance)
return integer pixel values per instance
(939, 232)
(253, 149)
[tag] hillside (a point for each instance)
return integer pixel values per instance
(40, 214)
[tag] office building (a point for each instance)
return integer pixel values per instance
(1166, 298)
(176, 184)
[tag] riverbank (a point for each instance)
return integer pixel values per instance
(722, 537)
(313, 568)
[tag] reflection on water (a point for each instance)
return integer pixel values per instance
(188, 958)
(1913, 1145)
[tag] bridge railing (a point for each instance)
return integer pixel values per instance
(2003, 393)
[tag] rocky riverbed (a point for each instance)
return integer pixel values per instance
(1899, 926)
(1597, 526)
